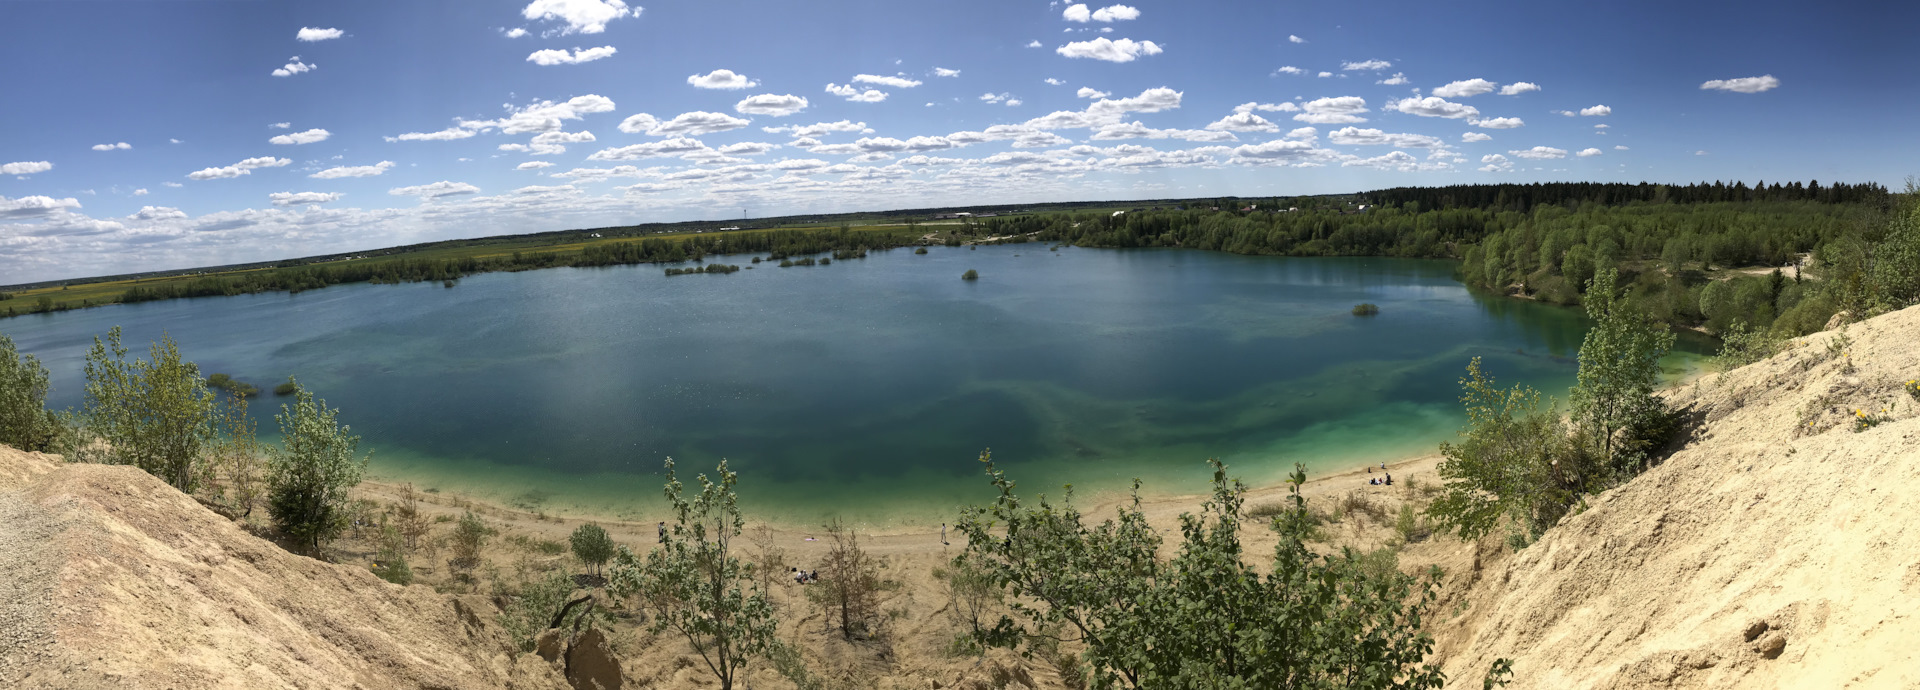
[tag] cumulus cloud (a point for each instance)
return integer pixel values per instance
(1355, 136)
(552, 57)
(1398, 79)
(1115, 13)
(1281, 107)
(695, 123)
(944, 72)
(1034, 44)
(34, 206)
(1434, 106)
(1758, 84)
(550, 143)
(435, 190)
(1540, 153)
(1518, 87)
(302, 198)
(1471, 137)
(1595, 111)
(658, 149)
(308, 137)
(546, 116)
(280, 125)
(1588, 153)
(1123, 50)
(895, 82)
(747, 148)
(1276, 150)
(157, 213)
(140, 192)
(579, 16)
(1243, 121)
(1289, 69)
(1295, 39)
(294, 66)
(533, 165)
(1324, 75)
(1495, 163)
(818, 129)
(1498, 123)
(721, 79)
(1464, 89)
(353, 171)
(1619, 148)
(852, 93)
(1374, 65)
(448, 134)
(1397, 160)
(310, 34)
(1085, 92)
(122, 146)
(771, 105)
(1333, 110)
(245, 167)
(516, 32)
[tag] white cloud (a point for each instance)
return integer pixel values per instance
(280, 125)
(721, 79)
(1396, 160)
(1464, 89)
(294, 66)
(552, 57)
(1588, 153)
(1085, 92)
(1471, 137)
(1763, 82)
(852, 93)
(1289, 69)
(302, 198)
(1498, 123)
(944, 72)
(1324, 75)
(1598, 110)
(667, 147)
(1433, 106)
(1355, 136)
(157, 213)
(1333, 110)
(1540, 153)
(1115, 13)
(1276, 150)
(546, 189)
(1518, 87)
(354, 171)
(310, 34)
(174, 185)
(1601, 126)
(747, 148)
(1495, 163)
(1700, 153)
(1281, 107)
(140, 192)
(1054, 82)
(1619, 148)
(122, 146)
(308, 137)
(581, 16)
(448, 134)
(696, 123)
(1034, 44)
(545, 116)
(245, 167)
(818, 129)
(1243, 122)
(1398, 79)
(771, 105)
(638, 123)
(34, 206)
(1567, 113)
(1295, 39)
(1123, 50)
(436, 190)
(533, 165)
(1374, 65)
(550, 143)
(1077, 12)
(895, 82)
(516, 32)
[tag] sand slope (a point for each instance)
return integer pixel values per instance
(1778, 549)
(109, 578)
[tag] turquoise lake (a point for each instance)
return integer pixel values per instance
(869, 387)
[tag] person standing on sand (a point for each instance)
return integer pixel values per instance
(943, 534)
(663, 532)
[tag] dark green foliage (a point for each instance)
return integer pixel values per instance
(391, 563)
(531, 611)
(156, 414)
(288, 388)
(1515, 462)
(592, 546)
(470, 535)
(1204, 619)
(920, 250)
(1366, 309)
(970, 275)
(710, 268)
(25, 422)
(1614, 404)
(309, 476)
(231, 386)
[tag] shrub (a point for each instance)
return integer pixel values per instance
(469, 537)
(1912, 388)
(236, 388)
(532, 610)
(1614, 403)
(1863, 421)
(920, 250)
(391, 563)
(153, 414)
(24, 420)
(1514, 462)
(1741, 346)
(970, 275)
(850, 585)
(1366, 309)
(309, 476)
(286, 389)
(592, 546)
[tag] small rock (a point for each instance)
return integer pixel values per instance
(1755, 630)
(1772, 646)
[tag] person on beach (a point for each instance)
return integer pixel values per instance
(663, 532)
(943, 534)
(1389, 479)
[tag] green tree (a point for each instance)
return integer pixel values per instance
(1514, 462)
(850, 584)
(1895, 276)
(695, 586)
(308, 478)
(24, 420)
(153, 414)
(1205, 618)
(592, 546)
(1613, 404)
(390, 563)
(469, 537)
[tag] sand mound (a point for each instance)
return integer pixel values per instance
(1777, 549)
(109, 578)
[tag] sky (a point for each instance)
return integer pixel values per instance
(170, 134)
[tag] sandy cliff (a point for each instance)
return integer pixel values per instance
(1779, 548)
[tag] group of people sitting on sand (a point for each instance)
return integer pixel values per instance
(1378, 481)
(801, 577)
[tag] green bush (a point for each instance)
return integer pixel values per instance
(286, 389)
(970, 275)
(156, 414)
(1515, 461)
(1366, 309)
(391, 563)
(592, 546)
(24, 420)
(308, 477)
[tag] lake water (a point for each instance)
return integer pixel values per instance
(868, 388)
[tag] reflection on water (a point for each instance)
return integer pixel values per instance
(869, 387)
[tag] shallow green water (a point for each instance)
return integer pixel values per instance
(868, 388)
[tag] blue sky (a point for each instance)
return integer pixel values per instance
(156, 135)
